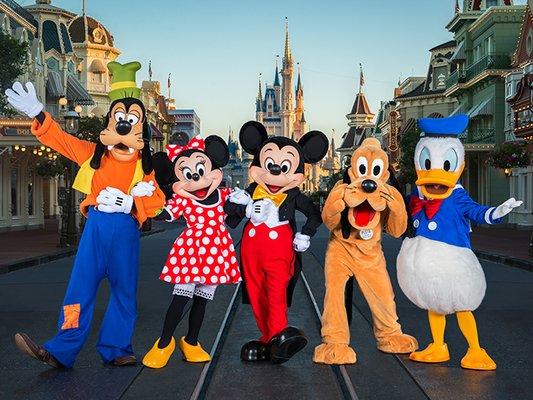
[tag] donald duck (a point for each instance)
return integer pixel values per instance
(437, 269)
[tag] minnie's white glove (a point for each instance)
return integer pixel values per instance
(301, 242)
(258, 211)
(24, 101)
(240, 196)
(506, 207)
(143, 189)
(112, 200)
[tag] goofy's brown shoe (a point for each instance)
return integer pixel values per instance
(124, 361)
(28, 346)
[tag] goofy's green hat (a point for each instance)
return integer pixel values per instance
(123, 80)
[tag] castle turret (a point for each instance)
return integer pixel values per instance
(259, 103)
(287, 114)
(277, 85)
(300, 124)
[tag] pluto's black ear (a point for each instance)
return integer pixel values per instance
(314, 146)
(97, 155)
(217, 150)
(164, 173)
(252, 135)
(346, 228)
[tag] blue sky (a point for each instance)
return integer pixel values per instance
(216, 49)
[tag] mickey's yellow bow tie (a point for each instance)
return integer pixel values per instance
(260, 193)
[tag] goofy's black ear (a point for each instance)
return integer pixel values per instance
(251, 136)
(314, 146)
(146, 154)
(164, 173)
(98, 154)
(217, 150)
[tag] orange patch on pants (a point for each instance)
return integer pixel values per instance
(71, 313)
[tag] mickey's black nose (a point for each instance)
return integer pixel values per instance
(123, 127)
(195, 177)
(274, 169)
(369, 186)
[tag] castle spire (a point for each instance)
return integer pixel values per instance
(276, 76)
(299, 82)
(259, 92)
(287, 58)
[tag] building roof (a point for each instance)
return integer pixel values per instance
(449, 43)
(354, 137)
(360, 105)
(85, 29)
(51, 37)
(276, 76)
(20, 11)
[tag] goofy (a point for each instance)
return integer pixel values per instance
(117, 177)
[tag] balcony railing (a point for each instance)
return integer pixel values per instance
(491, 61)
(457, 77)
(480, 135)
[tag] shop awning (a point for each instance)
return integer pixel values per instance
(76, 92)
(484, 108)
(461, 109)
(54, 87)
(459, 53)
(409, 125)
(97, 67)
(156, 133)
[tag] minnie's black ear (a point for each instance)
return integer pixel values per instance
(251, 136)
(146, 154)
(217, 150)
(164, 173)
(314, 146)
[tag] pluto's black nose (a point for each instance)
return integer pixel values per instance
(369, 186)
(123, 127)
(274, 169)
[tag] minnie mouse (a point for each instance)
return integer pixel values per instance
(270, 242)
(203, 256)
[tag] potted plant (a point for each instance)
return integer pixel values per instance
(509, 155)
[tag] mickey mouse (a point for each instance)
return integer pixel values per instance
(203, 256)
(270, 243)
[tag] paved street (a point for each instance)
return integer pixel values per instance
(30, 299)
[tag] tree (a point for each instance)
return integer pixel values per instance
(408, 143)
(14, 64)
(90, 127)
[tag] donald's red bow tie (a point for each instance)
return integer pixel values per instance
(174, 150)
(431, 207)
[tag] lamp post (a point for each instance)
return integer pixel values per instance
(69, 231)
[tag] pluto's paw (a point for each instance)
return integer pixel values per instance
(399, 343)
(334, 353)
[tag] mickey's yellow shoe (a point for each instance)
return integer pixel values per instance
(478, 359)
(193, 353)
(431, 354)
(158, 358)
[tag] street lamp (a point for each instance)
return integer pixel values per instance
(69, 231)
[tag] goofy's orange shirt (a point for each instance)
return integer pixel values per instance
(114, 173)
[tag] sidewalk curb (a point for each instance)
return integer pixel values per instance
(506, 260)
(33, 261)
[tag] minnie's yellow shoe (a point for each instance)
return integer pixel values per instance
(158, 358)
(432, 354)
(193, 353)
(478, 359)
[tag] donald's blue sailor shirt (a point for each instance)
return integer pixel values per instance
(451, 223)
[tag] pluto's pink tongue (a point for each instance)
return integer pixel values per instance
(363, 214)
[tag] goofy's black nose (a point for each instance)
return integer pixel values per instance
(369, 186)
(123, 127)
(274, 169)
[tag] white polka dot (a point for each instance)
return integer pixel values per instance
(185, 202)
(187, 279)
(209, 231)
(206, 270)
(211, 213)
(180, 241)
(191, 251)
(233, 260)
(184, 260)
(178, 279)
(198, 234)
(220, 259)
(217, 269)
(231, 247)
(233, 272)
(184, 270)
(165, 270)
(172, 251)
(221, 218)
(212, 222)
(205, 240)
(167, 278)
(219, 208)
(202, 279)
(188, 210)
(432, 226)
(181, 251)
(223, 279)
(193, 260)
(214, 279)
(176, 270)
(213, 250)
(273, 235)
(225, 253)
(192, 218)
(201, 219)
(199, 210)
(251, 232)
(178, 201)
(197, 243)
(188, 232)
(201, 250)
(224, 240)
(194, 270)
(217, 240)
(416, 223)
(189, 241)
(222, 228)
(173, 260)
(210, 260)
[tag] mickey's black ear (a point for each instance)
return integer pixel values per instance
(217, 150)
(252, 136)
(314, 146)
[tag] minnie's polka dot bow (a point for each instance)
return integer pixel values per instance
(174, 150)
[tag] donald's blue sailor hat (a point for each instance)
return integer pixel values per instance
(451, 126)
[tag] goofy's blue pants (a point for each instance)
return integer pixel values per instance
(109, 248)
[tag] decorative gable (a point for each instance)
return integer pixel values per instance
(524, 48)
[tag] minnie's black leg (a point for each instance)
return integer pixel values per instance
(174, 312)
(196, 318)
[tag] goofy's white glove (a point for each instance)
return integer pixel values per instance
(143, 189)
(24, 101)
(506, 207)
(112, 200)
(240, 196)
(258, 211)
(301, 242)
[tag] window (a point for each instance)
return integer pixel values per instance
(14, 192)
(491, 3)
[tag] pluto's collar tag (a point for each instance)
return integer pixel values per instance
(366, 234)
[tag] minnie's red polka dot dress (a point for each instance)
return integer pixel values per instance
(204, 252)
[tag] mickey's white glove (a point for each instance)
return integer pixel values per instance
(111, 200)
(506, 207)
(258, 211)
(24, 101)
(143, 189)
(301, 242)
(240, 196)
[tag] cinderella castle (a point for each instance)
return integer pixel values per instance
(277, 110)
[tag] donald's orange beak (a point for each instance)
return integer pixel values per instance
(437, 183)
